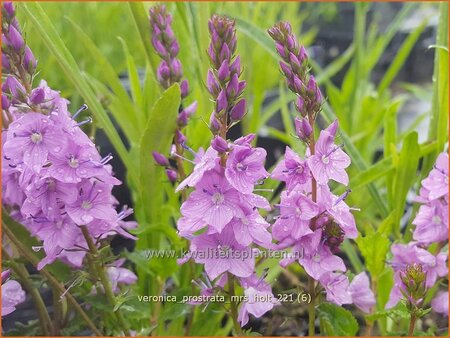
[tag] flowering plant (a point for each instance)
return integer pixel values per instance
(280, 182)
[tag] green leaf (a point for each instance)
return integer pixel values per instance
(390, 141)
(128, 115)
(142, 23)
(158, 137)
(374, 248)
(405, 176)
(133, 76)
(336, 321)
(399, 311)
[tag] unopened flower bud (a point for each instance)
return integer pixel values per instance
(235, 67)
(159, 47)
(224, 53)
(29, 61)
(222, 102)
(295, 63)
(184, 87)
(241, 88)
(238, 111)
(281, 50)
(15, 39)
(5, 102)
(174, 48)
(303, 128)
(224, 71)
(211, 84)
(286, 69)
(15, 88)
(180, 138)
(303, 55)
(313, 88)
(5, 275)
(182, 119)
(300, 104)
(176, 68)
(214, 123)
(191, 109)
(219, 144)
(172, 175)
(37, 96)
(160, 159)
(233, 87)
(9, 10)
(163, 72)
(6, 66)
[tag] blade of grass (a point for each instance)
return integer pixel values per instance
(400, 58)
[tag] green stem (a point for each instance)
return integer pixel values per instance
(311, 281)
(233, 306)
(412, 324)
(41, 309)
(311, 307)
(100, 270)
(29, 256)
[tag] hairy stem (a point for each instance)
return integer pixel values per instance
(41, 309)
(311, 281)
(29, 256)
(412, 324)
(100, 270)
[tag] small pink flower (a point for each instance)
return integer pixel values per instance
(361, 293)
(245, 167)
(221, 253)
(329, 160)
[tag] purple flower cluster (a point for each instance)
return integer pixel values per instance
(12, 294)
(54, 179)
(167, 47)
(223, 78)
(431, 224)
(170, 72)
(220, 217)
(312, 220)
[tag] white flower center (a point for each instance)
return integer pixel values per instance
(217, 198)
(300, 169)
(298, 211)
(73, 162)
(86, 205)
(436, 220)
(245, 221)
(36, 137)
(241, 167)
(316, 258)
(325, 159)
